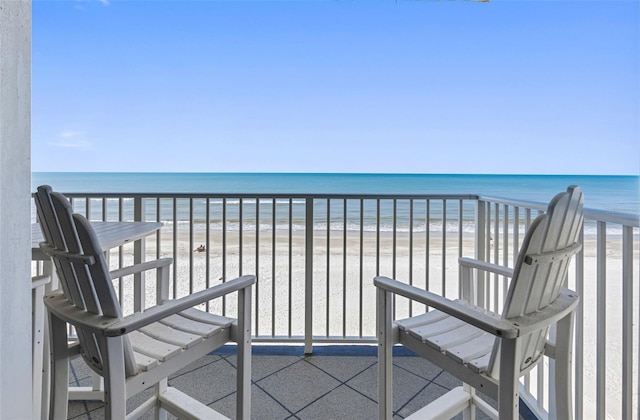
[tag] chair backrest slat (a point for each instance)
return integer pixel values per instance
(52, 233)
(64, 213)
(536, 282)
(101, 279)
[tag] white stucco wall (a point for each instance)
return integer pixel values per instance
(15, 214)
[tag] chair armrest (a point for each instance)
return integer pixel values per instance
(38, 281)
(138, 268)
(486, 266)
(496, 326)
(162, 280)
(151, 315)
(58, 304)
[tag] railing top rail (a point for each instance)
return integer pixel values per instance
(533, 205)
(625, 219)
(276, 196)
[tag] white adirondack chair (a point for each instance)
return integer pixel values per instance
(486, 351)
(139, 351)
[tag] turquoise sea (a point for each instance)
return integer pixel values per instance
(619, 194)
(609, 193)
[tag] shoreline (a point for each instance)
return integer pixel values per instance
(613, 230)
(369, 239)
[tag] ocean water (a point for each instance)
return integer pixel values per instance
(609, 193)
(620, 194)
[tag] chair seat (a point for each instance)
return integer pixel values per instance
(454, 338)
(169, 337)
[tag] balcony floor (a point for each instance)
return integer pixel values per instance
(336, 382)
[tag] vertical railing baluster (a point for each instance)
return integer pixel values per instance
(240, 243)
(411, 251)
(627, 321)
(308, 284)
(377, 237)
(273, 267)
(444, 248)
(638, 361)
(257, 262)
(328, 269)
(394, 243)
(496, 259)
(460, 234)
(542, 384)
(579, 340)
(540, 371)
(505, 251)
(120, 252)
(344, 268)
(516, 235)
(480, 246)
(175, 246)
(486, 303)
(191, 245)
(290, 267)
(207, 248)
(427, 243)
(601, 329)
(224, 251)
(394, 251)
(159, 232)
(516, 241)
(361, 269)
(138, 257)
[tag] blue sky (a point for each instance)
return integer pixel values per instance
(530, 87)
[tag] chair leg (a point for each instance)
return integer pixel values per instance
(509, 392)
(59, 368)
(115, 395)
(385, 347)
(37, 355)
(470, 412)
(243, 390)
(560, 401)
(158, 412)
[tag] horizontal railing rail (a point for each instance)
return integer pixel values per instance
(315, 256)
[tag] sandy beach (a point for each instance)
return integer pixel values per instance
(345, 290)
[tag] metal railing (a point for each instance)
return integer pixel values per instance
(315, 257)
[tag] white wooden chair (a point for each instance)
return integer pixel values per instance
(486, 351)
(141, 350)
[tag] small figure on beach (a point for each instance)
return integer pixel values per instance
(201, 248)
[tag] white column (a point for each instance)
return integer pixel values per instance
(15, 214)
